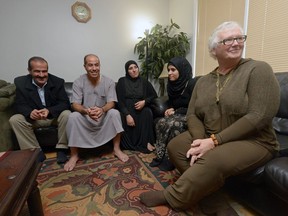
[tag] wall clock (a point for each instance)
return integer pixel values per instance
(81, 12)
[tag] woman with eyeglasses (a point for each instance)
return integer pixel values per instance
(229, 122)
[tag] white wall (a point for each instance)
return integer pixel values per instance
(184, 13)
(47, 28)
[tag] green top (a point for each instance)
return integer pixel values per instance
(247, 104)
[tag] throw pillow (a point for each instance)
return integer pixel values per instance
(7, 90)
(3, 83)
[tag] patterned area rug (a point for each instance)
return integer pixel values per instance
(103, 185)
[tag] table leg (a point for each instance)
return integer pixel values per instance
(34, 201)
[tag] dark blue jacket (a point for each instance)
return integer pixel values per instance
(28, 99)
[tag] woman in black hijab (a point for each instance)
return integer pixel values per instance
(179, 88)
(135, 95)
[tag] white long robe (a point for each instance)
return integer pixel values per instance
(84, 132)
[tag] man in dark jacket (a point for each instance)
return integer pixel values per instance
(41, 101)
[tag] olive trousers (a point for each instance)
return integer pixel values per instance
(209, 172)
(24, 130)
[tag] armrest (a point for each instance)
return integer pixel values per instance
(276, 177)
(159, 105)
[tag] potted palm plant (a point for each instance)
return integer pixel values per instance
(157, 47)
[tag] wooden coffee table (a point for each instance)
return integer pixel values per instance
(18, 173)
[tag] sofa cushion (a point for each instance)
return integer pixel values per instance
(47, 136)
(280, 125)
(7, 90)
(68, 88)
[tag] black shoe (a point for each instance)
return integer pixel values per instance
(155, 162)
(41, 157)
(166, 165)
(61, 156)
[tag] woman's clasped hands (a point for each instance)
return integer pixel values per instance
(198, 148)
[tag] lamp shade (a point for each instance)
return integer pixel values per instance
(164, 73)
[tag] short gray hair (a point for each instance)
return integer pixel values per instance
(214, 39)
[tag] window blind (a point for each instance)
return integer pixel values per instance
(267, 31)
(212, 13)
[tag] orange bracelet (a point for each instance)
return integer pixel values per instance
(213, 137)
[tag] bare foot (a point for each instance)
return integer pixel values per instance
(150, 147)
(121, 155)
(71, 163)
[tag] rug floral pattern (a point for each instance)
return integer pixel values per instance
(103, 186)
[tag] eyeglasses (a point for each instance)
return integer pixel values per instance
(230, 41)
